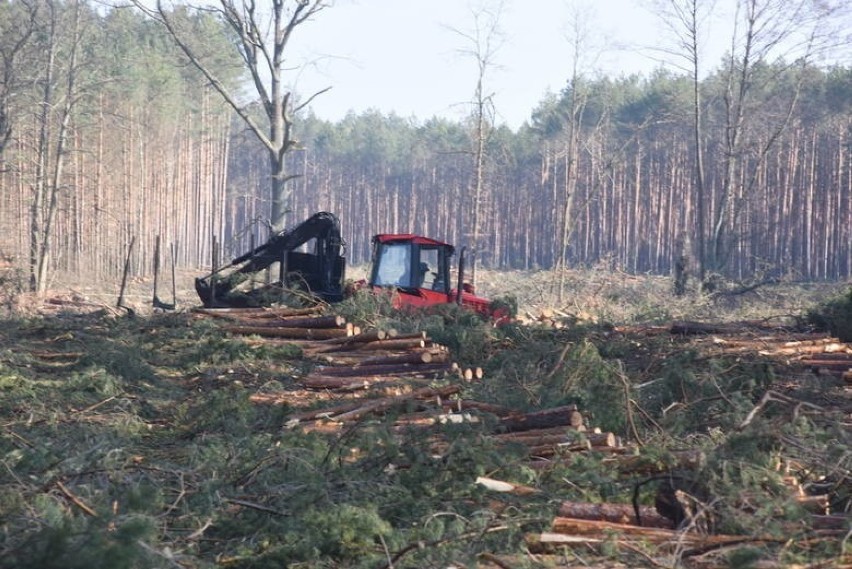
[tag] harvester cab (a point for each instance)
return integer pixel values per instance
(418, 268)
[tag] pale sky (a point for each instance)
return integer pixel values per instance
(403, 56)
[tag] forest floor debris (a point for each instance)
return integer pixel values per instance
(192, 437)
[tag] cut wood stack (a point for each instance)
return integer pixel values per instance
(580, 532)
(331, 418)
(349, 359)
(818, 352)
(599, 527)
(839, 363)
(585, 524)
(549, 432)
(781, 344)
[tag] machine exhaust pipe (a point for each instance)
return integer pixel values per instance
(460, 286)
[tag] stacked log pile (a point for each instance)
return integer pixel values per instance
(395, 371)
(592, 525)
(347, 358)
(817, 352)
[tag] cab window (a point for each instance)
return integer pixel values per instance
(429, 268)
(394, 265)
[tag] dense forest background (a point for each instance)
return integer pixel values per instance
(109, 137)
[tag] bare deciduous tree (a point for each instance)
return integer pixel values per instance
(767, 31)
(17, 22)
(60, 94)
(262, 39)
(686, 20)
(483, 43)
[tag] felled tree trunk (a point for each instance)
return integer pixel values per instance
(555, 417)
(615, 513)
(291, 333)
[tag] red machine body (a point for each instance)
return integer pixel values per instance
(418, 268)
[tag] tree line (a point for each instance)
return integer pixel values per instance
(109, 137)
(633, 196)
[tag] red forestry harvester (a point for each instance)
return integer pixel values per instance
(416, 268)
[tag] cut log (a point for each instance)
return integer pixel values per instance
(815, 504)
(341, 359)
(386, 369)
(560, 437)
(615, 513)
(484, 407)
(601, 529)
(561, 433)
(576, 526)
(829, 357)
(422, 419)
(751, 343)
(294, 333)
(410, 335)
(539, 440)
(548, 542)
(369, 336)
(284, 311)
(809, 340)
(382, 405)
(833, 365)
(303, 322)
(547, 450)
(554, 417)
(57, 355)
(430, 418)
(415, 357)
(473, 373)
(601, 440)
(508, 487)
(401, 367)
(260, 312)
(377, 345)
(337, 383)
(355, 358)
(686, 328)
(823, 349)
(325, 413)
(831, 522)
(550, 444)
(391, 385)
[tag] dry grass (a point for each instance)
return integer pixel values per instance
(601, 295)
(596, 294)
